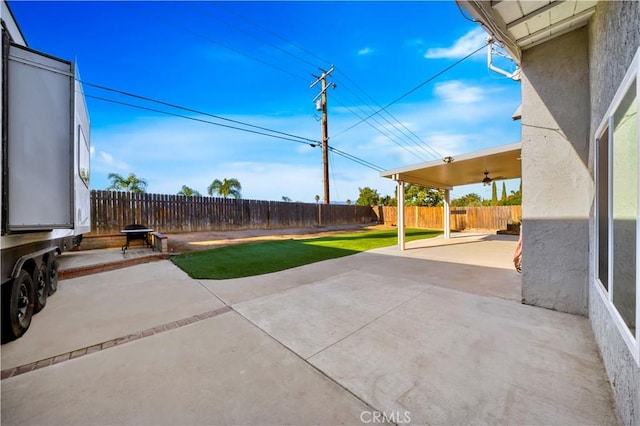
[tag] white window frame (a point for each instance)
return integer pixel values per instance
(607, 124)
(83, 146)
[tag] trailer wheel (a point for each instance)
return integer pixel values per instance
(41, 284)
(21, 305)
(52, 268)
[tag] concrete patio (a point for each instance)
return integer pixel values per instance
(432, 335)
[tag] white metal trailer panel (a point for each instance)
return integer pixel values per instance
(41, 134)
(82, 159)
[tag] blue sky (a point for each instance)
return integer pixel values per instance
(253, 62)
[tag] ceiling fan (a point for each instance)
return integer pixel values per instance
(486, 181)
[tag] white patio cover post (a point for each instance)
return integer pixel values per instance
(447, 215)
(400, 215)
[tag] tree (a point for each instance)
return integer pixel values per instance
(494, 194)
(286, 199)
(368, 197)
(225, 188)
(469, 200)
(515, 199)
(129, 184)
(503, 196)
(387, 200)
(348, 201)
(416, 195)
(188, 192)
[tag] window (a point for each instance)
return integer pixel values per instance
(84, 157)
(617, 205)
(602, 194)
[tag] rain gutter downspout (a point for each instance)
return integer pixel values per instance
(513, 75)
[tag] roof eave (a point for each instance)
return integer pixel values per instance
(482, 12)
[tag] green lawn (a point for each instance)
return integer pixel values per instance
(250, 259)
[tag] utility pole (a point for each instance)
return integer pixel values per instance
(322, 106)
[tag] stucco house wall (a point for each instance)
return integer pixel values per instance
(569, 81)
(614, 37)
(568, 84)
(557, 185)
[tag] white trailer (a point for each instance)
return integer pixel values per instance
(45, 204)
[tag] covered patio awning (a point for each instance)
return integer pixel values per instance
(498, 163)
(502, 162)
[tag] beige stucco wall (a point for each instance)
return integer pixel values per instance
(556, 180)
(568, 84)
(614, 37)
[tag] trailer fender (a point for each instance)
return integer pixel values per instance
(37, 256)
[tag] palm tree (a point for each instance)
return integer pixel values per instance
(129, 184)
(188, 192)
(225, 188)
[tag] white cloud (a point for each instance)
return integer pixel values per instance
(365, 51)
(448, 143)
(461, 48)
(170, 152)
(463, 124)
(259, 180)
(106, 157)
(458, 92)
(106, 161)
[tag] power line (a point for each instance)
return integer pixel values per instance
(438, 74)
(421, 144)
(437, 155)
(286, 52)
(385, 134)
(333, 175)
(133, 95)
(313, 145)
(167, 22)
(416, 138)
(356, 159)
(272, 66)
(464, 15)
(275, 67)
(267, 30)
(255, 37)
(402, 144)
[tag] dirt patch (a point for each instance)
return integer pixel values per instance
(196, 241)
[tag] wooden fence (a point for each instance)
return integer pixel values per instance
(461, 217)
(111, 211)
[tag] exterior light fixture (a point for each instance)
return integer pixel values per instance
(447, 159)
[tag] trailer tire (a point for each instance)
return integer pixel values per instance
(41, 286)
(52, 271)
(20, 309)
